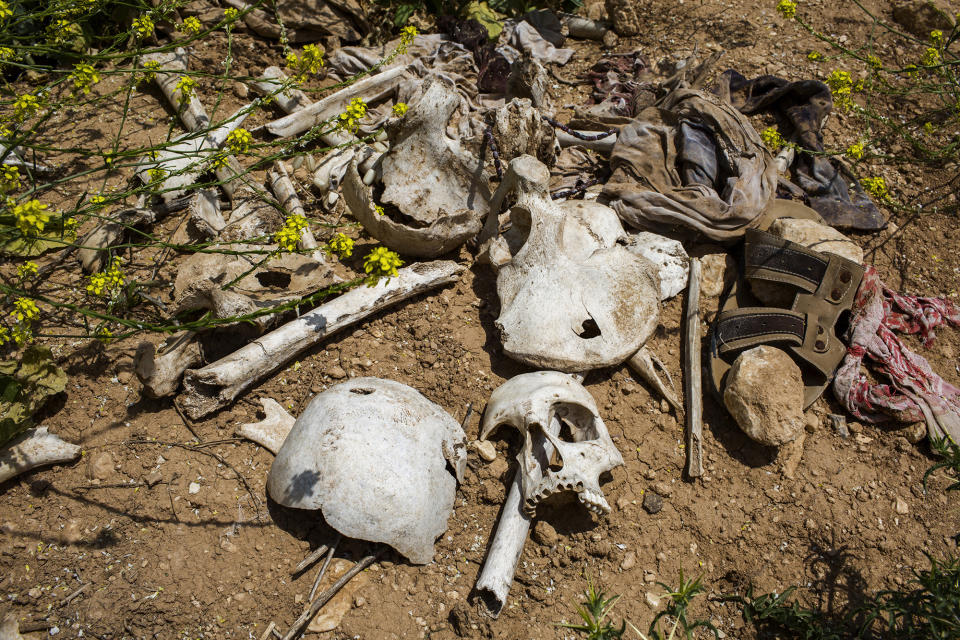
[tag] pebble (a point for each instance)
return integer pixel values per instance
(652, 502)
(193, 487)
(485, 449)
(153, 478)
(629, 561)
(652, 600)
(545, 534)
(649, 576)
(663, 489)
(101, 466)
(812, 421)
(336, 372)
(900, 506)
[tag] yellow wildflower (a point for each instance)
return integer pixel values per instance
(875, 62)
(31, 217)
(772, 138)
(787, 8)
(340, 245)
(381, 262)
(25, 310)
(841, 85)
(25, 106)
(350, 119)
(931, 57)
(4, 335)
(104, 335)
(97, 201)
(61, 31)
(289, 235)
(9, 178)
(84, 76)
(400, 109)
(407, 34)
(106, 283)
(22, 333)
(936, 38)
(185, 85)
(928, 128)
(816, 56)
(157, 174)
(378, 209)
(876, 187)
(230, 14)
(5, 11)
(143, 26)
(27, 270)
(856, 151)
(238, 140)
(191, 25)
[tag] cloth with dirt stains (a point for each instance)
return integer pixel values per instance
(691, 161)
(800, 108)
(307, 20)
(493, 65)
(916, 393)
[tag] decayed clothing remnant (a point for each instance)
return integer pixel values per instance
(691, 161)
(801, 108)
(915, 393)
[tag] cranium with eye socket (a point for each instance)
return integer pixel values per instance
(572, 296)
(434, 192)
(531, 402)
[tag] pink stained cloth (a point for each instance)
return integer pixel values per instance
(915, 393)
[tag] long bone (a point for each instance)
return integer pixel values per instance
(34, 448)
(218, 384)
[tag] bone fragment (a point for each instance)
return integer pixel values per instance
(370, 89)
(296, 630)
(496, 577)
(692, 375)
(579, 27)
(92, 252)
(603, 146)
(283, 188)
(784, 159)
(218, 384)
(205, 213)
(642, 362)
(193, 115)
(160, 373)
(270, 432)
(294, 100)
(34, 448)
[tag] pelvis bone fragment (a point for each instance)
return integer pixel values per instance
(572, 297)
(373, 455)
(434, 193)
(529, 403)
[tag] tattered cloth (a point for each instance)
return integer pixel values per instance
(802, 108)
(692, 160)
(916, 392)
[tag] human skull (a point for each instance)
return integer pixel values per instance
(375, 456)
(538, 405)
(572, 296)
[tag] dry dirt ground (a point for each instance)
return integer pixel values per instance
(157, 559)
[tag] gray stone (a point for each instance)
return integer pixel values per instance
(545, 534)
(764, 395)
(485, 450)
(652, 502)
(717, 270)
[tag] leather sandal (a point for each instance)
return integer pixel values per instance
(825, 286)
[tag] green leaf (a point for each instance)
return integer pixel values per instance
(13, 242)
(403, 14)
(490, 19)
(25, 385)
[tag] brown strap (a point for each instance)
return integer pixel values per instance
(751, 326)
(777, 260)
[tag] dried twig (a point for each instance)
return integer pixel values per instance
(297, 629)
(323, 570)
(315, 555)
(692, 374)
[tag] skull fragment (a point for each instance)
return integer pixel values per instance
(572, 296)
(539, 405)
(434, 192)
(375, 457)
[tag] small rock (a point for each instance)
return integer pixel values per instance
(600, 548)
(545, 534)
(664, 406)
(649, 576)
(101, 466)
(663, 488)
(810, 524)
(624, 16)
(193, 488)
(839, 424)
(764, 395)
(717, 270)
(359, 601)
(652, 600)
(900, 506)
(652, 502)
(629, 561)
(498, 467)
(920, 17)
(241, 90)
(336, 372)
(35, 592)
(153, 478)
(227, 545)
(622, 503)
(915, 432)
(790, 455)
(485, 449)
(812, 421)
(72, 533)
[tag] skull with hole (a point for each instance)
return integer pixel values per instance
(378, 459)
(530, 403)
(434, 193)
(572, 296)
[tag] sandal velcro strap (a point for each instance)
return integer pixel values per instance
(752, 326)
(777, 260)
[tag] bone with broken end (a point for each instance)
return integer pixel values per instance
(293, 100)
(160, 372)
(34, 448)
(370, 89)
(172, 64)
(286, 194)
(218, 384)
(270, 432)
